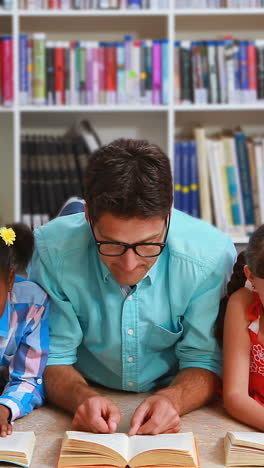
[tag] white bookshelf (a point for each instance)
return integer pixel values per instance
(156, 123)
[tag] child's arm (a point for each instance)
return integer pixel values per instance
(237, 360)
(24, 391)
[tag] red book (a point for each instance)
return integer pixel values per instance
(252, 70)
(1, 70)
(59, 76)
(7, 70)
(110, 70)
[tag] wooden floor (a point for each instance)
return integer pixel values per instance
(209, 425)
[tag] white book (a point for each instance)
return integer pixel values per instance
(203, 175)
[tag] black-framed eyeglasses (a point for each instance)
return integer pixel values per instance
(144, 249)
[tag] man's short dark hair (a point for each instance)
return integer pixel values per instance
(128, 178)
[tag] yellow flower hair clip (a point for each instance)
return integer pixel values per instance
(8, 235)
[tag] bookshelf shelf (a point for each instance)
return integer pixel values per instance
(99, 108)
(158, 123)
(82, 13)
(219, 12)
(218, 107)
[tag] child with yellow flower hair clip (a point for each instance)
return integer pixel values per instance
(23, 329)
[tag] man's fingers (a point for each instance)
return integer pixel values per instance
(138, 418)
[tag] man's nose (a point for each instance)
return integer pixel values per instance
(129, 259)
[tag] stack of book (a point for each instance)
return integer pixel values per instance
(52, 170)
(6, 71)
(218, 72)
(93, 4)
(72, 73)
(232, 166)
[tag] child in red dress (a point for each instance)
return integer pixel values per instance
(243, 380)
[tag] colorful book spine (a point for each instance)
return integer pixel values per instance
(39, 69)
(156, 72)
(50, 73)
(7, 71)
(165, 71)
(23, 72)
(243, 65)
(193, 180)
(59, 74)
(177, 176)
(252, 71)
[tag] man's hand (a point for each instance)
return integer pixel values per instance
(97, 414)
(156, 415)
(5, 426)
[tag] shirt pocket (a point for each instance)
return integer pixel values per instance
(159, 338)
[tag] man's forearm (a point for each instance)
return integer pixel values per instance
(66, 387)
(191, 388)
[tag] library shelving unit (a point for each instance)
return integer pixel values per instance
(157, 123)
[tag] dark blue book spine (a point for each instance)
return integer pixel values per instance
(243, 59)
(185, 177)
(244, 173)
(177, 176)
(193, 169)
(23, 73)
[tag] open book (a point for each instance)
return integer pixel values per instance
(17, 448)
(244, 449)
(86, 449)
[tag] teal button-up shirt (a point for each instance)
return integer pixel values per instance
(163, 325)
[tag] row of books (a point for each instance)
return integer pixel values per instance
(93, 4)
(6, 71)
(86, 449)
(52, 170)
(91, 72)
(220, 179)
(218, 4)
(224, 71)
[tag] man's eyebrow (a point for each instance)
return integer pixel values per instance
(110, 239)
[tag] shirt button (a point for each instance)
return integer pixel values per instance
(130, 298)
(130, 359)
(39, 381)
(130, 384)
(130, 331)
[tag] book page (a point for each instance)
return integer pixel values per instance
(117, 441)
(182, 442)
(249, 439)
(18, 443)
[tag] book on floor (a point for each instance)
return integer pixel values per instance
(17, 448)
(244, 449)
(87, 449)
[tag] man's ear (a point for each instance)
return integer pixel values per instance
(249, 274)
(11, 279)
(86, 213)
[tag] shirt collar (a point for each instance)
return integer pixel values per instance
(4, 320)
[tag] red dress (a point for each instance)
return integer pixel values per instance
(256, 370)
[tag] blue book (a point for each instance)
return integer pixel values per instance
(244, 174)
(243, 62)
(193, 178)
(23, 72)
(233, 192)
(165, 71)
(185, 177)
(177, 176)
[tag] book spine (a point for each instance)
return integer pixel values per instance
(244, 85)
(165, 71)
(186, 73)
(177, 176)
(39, 69)
(59, 74)
(50, 73)
(177, 80)
(89, 73)
(23, 72)
(260, 69)
(30, 70)
(252, 71)
(7, 71)
(67, 73)
(194, 194)
(185, 177)
(156, 76)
